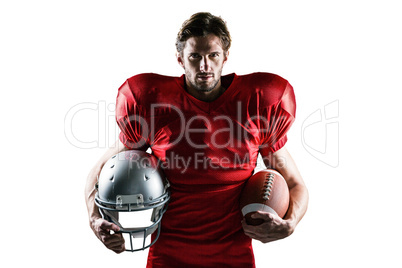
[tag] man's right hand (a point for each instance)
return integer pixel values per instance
(113, 241)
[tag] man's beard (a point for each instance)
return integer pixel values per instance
(204, 87)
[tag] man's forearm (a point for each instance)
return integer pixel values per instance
(90, 191)
(92, 178)
(298, 204)
(284, 163)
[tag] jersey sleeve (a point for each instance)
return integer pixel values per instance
(131, 119)
(276, 121)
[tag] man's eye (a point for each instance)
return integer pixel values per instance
(194, 56)
(215, 55)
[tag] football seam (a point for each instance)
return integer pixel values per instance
(268, 184)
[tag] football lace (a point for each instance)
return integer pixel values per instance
(269, 181)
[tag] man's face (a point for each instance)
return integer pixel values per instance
(203, 59)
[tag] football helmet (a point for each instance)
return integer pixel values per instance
(129, 182)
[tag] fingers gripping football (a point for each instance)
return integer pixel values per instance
(273, 227)
(105, 231)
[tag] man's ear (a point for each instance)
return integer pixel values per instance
(179, 59)
(226, 55)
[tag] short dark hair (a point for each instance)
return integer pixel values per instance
(202, 24)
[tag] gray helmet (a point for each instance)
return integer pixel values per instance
(132, 181)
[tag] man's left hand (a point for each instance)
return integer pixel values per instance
(273, 228)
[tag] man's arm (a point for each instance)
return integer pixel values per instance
(101, 227)
(275, 228)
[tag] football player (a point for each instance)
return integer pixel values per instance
(207, 130)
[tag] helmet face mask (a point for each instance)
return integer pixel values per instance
(131, 182)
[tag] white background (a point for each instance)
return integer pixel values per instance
(59, 57)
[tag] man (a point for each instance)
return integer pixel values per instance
(207, 130)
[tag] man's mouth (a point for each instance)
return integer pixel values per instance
(205, 76)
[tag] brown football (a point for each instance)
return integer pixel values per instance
(266, 191)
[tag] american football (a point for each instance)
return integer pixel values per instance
(266, 191)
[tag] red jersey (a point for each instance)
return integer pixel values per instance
(208, 150)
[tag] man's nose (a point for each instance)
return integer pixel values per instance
(204, 65)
